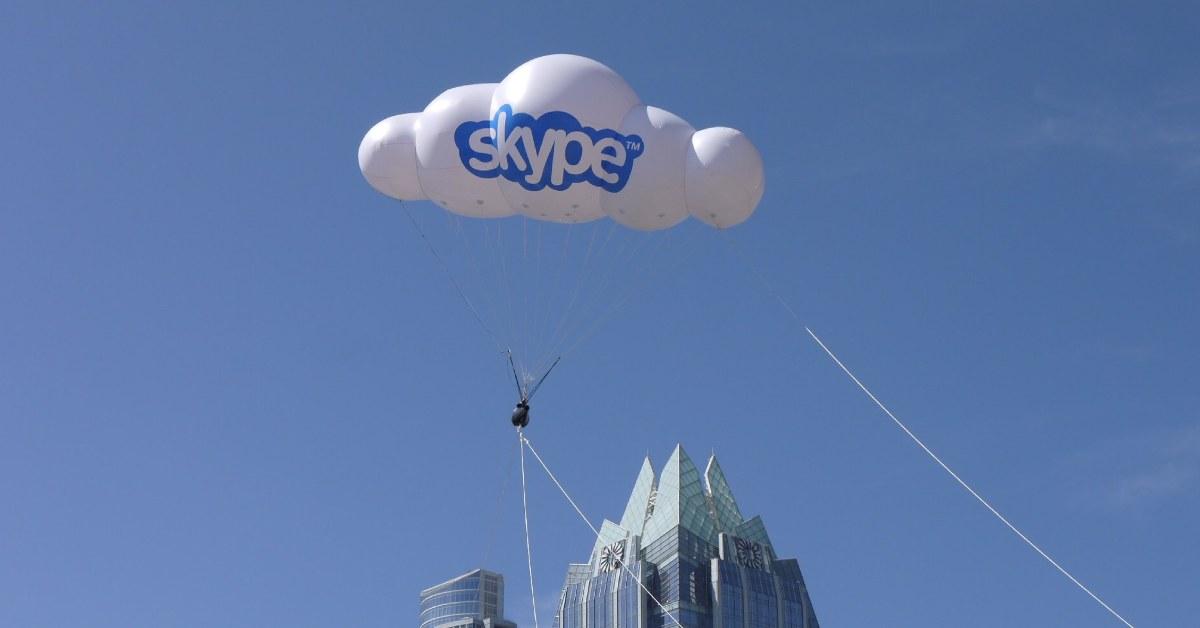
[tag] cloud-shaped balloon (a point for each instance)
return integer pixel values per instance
(563, 138)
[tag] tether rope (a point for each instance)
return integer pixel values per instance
(496, 510)
(771, 290)
(528, 546)
(554, 479)
(598, 289)
(580, 282)
(690, 245)
(457, 287)
(489, 307)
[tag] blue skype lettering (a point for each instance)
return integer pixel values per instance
(553, 150)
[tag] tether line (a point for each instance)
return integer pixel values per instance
(635, 578)
(453, 281)
(528, 546)
(961, 482)
(491, 534)
(771, 290)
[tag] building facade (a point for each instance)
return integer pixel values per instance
(683, 537)
(472, 600)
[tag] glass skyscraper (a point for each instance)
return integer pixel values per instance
(472, 600)
(684, 537)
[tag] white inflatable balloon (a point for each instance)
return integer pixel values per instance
(387, 157)
(724, 177)
(655, 196)
(443, 176)
(574, 92)
(563, 138)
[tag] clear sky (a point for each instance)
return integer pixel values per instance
(235, 389)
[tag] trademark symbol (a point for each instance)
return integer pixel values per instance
(632, 145)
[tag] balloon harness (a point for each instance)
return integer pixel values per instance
(520, 413)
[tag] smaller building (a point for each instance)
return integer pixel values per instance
(472, 600)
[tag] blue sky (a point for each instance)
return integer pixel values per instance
(235, 389)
